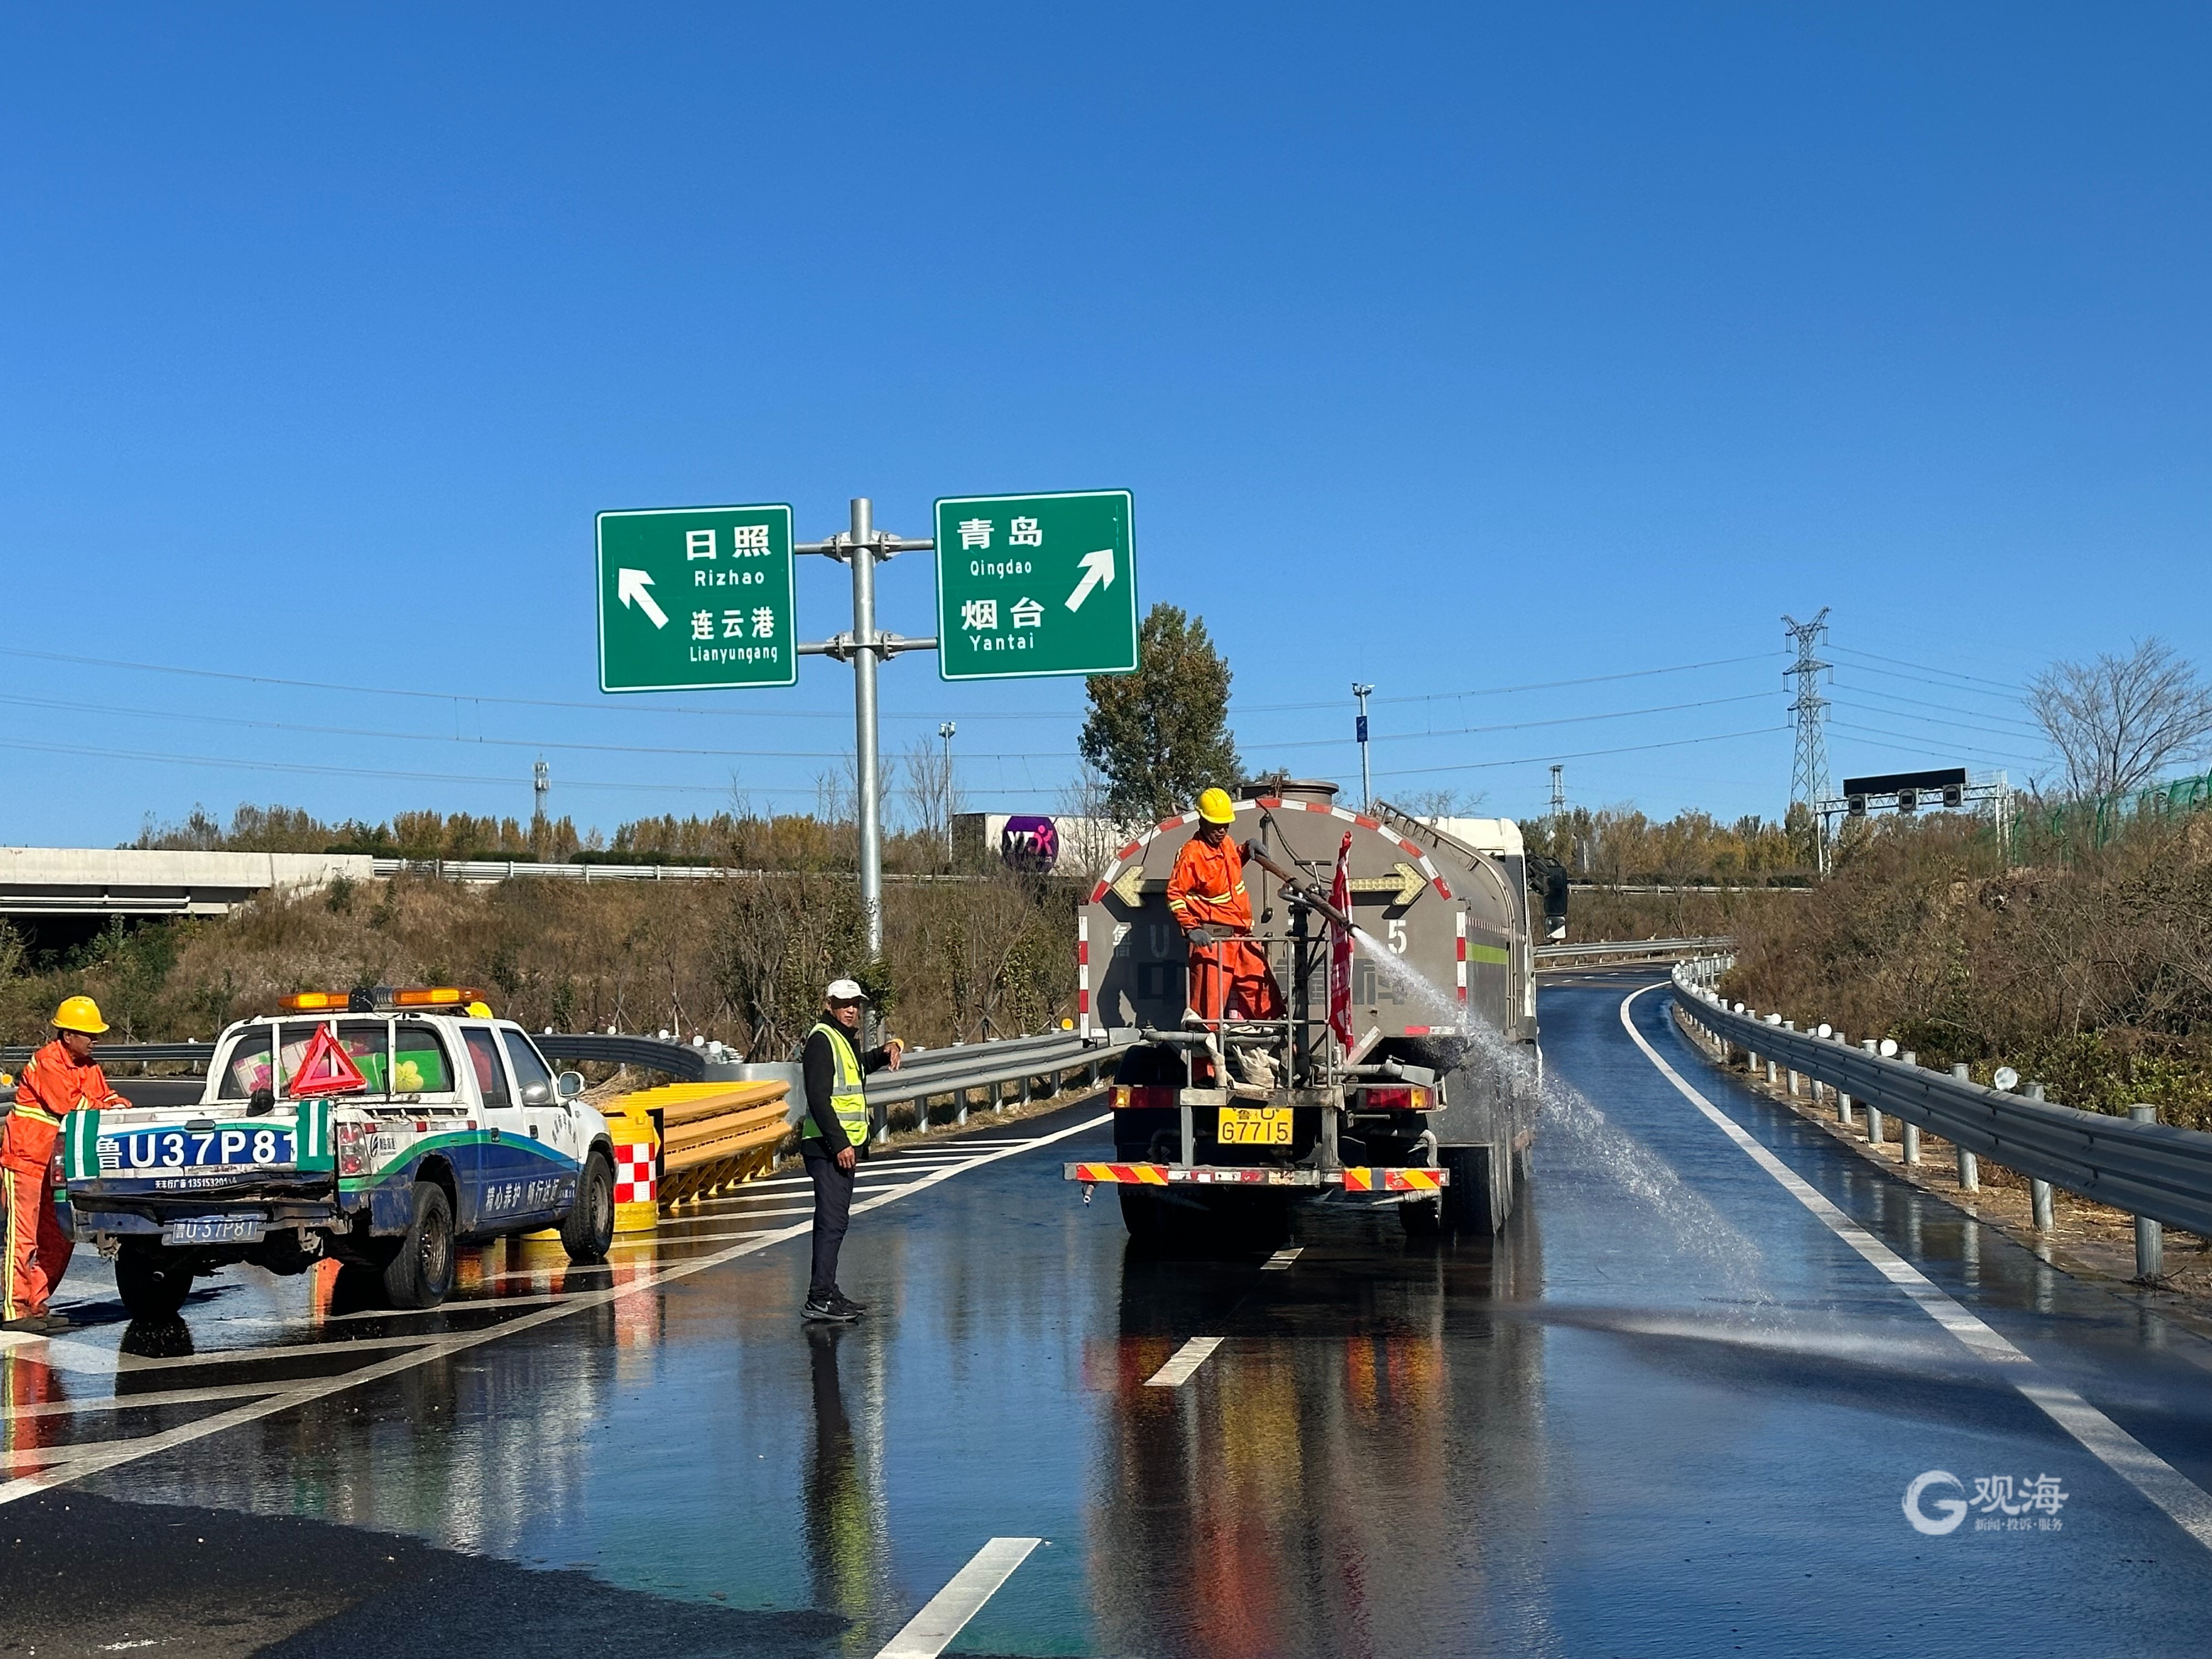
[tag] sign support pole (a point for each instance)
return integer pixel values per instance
(861, 545)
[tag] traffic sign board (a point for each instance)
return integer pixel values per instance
(695, 597)
(1030, 585)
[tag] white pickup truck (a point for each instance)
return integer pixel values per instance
(439, 1126)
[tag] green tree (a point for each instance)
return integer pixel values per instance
(1161, 734)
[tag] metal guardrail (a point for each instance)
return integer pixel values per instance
(1630, 950)
(956, 1071)
(2153, 1170)
(493, 870)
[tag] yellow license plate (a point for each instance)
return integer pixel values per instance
(1254, 1125)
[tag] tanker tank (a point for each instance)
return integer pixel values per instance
(1427, 1097)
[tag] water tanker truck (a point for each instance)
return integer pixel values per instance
(1424, 1096)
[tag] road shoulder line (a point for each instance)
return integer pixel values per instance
(1187, 1360)
(2182, 1500)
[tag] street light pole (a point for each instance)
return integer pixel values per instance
(946, 731)
(1366, 779)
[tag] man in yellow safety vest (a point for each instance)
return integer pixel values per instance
(833, 1135)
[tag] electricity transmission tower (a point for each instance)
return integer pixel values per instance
(1809, 772)
(1559, 792)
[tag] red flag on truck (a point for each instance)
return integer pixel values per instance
(1339, 948)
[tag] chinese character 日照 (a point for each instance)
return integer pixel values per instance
(1024, 532)
(1028, 613)
(748, 539)
(698, 543)
(979, 614)
(975, 532)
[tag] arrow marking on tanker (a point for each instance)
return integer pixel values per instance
(1404, 883)
(632, 587)
(2183, 1501)
(1098, 572)
(1129, 886)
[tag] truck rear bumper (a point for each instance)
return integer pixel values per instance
(1356, 1180)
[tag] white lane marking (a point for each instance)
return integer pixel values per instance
(930, 1632)
(643, 1243)
(1187, 1359)
(2105, 1440)
(1282, 1259)
(439, 1347)
(131, 1402)
(68, 1354)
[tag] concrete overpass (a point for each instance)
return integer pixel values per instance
(77, 881)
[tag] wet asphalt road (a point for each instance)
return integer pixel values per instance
(1668, 1411)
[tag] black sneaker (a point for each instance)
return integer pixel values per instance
(827, 1307)
(839, 1299)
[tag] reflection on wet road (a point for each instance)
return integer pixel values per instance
(1668, 1411)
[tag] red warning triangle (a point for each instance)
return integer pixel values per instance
(326, 1068)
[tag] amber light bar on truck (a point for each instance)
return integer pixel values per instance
(378, 999)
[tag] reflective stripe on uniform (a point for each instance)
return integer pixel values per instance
(847, 1100)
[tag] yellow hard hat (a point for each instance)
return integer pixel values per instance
(1213, 807)
(79, 1014)
(479, 1011)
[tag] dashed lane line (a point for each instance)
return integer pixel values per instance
(1282, 1259)
(107, 1455)
(1187, 1359)
(131, 1402)
(930, 1632)
(2181, 1498)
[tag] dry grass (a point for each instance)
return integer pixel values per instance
(2094, 978)
(742, 961)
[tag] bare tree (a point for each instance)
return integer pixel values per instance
(2120, 721)
(932, 790)
(1430, 805)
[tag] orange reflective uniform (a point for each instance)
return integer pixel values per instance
(1207, 890)
(52, 1087)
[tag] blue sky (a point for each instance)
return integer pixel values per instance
(1456, 349)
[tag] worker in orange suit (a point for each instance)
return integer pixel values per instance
(61, 1078)
(1229, 974)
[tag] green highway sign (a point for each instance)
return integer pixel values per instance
(695, 597)
(1035, 585)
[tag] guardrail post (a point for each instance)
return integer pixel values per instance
(2150, 1235)
(2039, 1192)
(1970, 1166)
(1911, 1131)
(1873, 1113)
(1790, 1071)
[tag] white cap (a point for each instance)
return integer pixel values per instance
(844, 990)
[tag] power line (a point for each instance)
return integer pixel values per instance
(2029, 726)
(313, 769)
(1922, 744)
(2014, 692)
(472, 697)
(440, 737)
(1931, 720)
(1517, 726)
(1503, 690)
(1586, 754)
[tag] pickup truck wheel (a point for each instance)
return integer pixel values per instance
(588, 1229)
(421, 1271)
(153, 1282)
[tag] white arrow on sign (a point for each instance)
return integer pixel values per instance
(632, 587)
(1098, 572)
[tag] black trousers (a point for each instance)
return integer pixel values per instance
(833, 1210)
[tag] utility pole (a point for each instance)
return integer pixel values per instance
(946, 731)
(1364, 691)
(541, 790)
(1559, 792)
(1809, 772)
